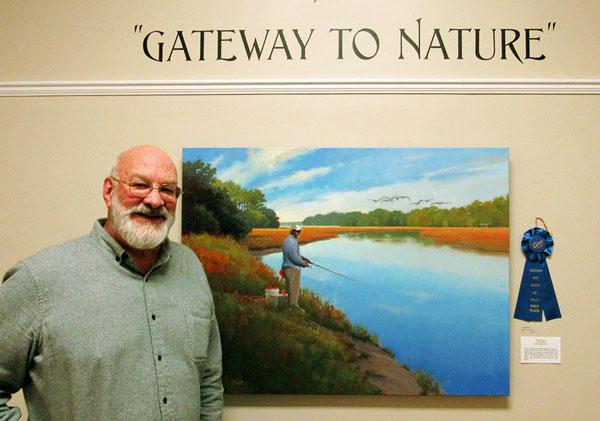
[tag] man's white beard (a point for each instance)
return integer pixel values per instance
(137, 234)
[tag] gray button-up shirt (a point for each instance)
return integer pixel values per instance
(87, 336)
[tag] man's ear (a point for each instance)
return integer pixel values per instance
(108, 190)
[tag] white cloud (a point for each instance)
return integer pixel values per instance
(217, 161)
(298, 177)
(259, 161)
(479, 169)
(440, 171)
(420, 296)
(417, 157)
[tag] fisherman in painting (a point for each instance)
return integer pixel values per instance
(293, 261)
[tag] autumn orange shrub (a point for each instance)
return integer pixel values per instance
(228, 266)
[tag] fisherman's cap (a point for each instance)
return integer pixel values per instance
(296, 228)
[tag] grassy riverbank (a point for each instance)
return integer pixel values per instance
(276, 349)
(481, 239)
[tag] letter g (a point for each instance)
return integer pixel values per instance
(160, 47)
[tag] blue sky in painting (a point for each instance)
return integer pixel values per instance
(299, 182)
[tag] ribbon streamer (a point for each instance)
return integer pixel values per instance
(536, 294)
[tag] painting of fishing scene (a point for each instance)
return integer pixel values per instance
(407, 290)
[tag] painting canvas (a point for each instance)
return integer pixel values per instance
(408, 288)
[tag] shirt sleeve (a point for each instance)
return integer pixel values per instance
(211, 386)
(19, 334)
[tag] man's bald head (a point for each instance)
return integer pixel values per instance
(146, 156)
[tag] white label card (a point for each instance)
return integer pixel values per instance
(540, 350)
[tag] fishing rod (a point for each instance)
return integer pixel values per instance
(339, 274)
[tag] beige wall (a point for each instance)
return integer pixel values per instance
(90, 40)
(57, 150)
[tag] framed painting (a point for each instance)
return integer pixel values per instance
(406, 289)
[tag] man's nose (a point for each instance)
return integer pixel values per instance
(153, 199)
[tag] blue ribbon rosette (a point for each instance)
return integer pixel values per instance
(536, 294)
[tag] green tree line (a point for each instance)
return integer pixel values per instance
(492, 213)
(212, 206)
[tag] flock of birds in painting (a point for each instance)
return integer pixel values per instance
(398, 197)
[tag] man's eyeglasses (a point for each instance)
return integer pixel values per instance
(140, 188)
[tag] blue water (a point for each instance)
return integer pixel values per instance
(440, 309)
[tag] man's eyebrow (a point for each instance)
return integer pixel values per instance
(144, 178)
(171, 181)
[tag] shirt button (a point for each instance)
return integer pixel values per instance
(154, 317)
(160, 358)
(164, 400)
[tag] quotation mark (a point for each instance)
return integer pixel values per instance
(551, 26)
(138, 28)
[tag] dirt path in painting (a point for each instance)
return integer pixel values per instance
(391, 377)
(382, 370)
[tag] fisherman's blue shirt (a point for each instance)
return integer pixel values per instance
(291, 253)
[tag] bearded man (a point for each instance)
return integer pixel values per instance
(117, 324)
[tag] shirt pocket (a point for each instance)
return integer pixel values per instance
(198, 334)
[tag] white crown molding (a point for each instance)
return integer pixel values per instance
(294, 87)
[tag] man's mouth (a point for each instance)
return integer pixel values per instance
(150, 217)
